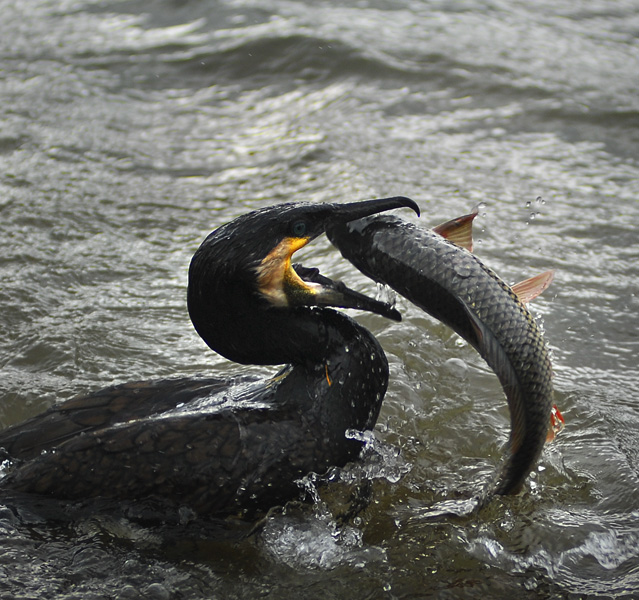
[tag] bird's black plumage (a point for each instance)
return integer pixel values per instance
(236, 445)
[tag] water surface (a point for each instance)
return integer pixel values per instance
(130, 130)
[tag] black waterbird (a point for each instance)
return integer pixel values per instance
(226, 446)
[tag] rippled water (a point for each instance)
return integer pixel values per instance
(129, 130)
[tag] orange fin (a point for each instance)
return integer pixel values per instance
(531, 288)
(557, 423)
(458, 231)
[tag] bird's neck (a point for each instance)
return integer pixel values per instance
(343, 368)
(243, 328)
(345, 388)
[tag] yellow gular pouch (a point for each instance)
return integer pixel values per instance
(276, 279)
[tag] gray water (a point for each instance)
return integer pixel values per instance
(129, 130)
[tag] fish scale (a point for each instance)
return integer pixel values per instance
(454, 286)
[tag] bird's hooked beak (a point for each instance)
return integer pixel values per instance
(344, 213)
(285, 285)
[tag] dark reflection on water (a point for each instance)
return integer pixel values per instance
(129, 131)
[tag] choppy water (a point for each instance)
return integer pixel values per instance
(129, 130)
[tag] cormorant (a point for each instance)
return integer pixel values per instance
(232, 446)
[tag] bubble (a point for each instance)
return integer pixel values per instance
(457, 367)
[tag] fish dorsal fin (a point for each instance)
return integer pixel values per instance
(458, 231)
(531, 288)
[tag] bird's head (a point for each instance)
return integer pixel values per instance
(245, 267)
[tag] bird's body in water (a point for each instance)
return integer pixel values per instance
(233, 446)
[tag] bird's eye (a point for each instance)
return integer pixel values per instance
(298, 229)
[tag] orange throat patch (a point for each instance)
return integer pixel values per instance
(276, 278)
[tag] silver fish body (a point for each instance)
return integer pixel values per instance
(455, 287)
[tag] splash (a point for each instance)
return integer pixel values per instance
(607, 549)
(318, 539)
(377, 460)
(386, 294)
(315, 541)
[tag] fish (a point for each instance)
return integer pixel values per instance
(436, 270)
